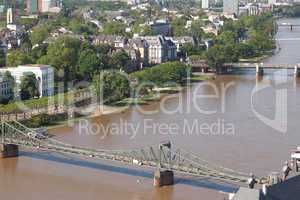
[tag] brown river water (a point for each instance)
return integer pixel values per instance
(236, 126)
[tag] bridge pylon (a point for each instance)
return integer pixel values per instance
(259, 69)
(9, 150)
(166, 177)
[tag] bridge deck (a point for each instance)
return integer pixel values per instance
(254, 65)
(162, 156)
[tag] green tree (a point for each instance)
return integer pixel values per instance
(178, 27)
(120, 60)
(89, 63)
(220, 54)
(15, 58)
(63, 55)
(39, 34)
(163, 74)
(29, 86)
(114, 28)
(2, 57)
(260, 40)
(111, 86)
(196, 30)
(190, 49)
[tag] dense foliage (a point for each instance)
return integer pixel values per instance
(288, 11)
(29, 87)
(163, 74)
(111, 86)
(251, 36)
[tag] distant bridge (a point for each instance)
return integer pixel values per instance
(261, 65)
(287, 39)
(161, 156)
(288, 24)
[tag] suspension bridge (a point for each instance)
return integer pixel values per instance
(162, 156)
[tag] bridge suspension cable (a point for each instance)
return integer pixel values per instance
(155, 156)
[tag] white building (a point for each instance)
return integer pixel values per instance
(231, 7)
(44, 74)
(161, 49)
(272, 2)
(205, 4)
(6, 87)
(9, 16)
(181, 41)
(46, 5)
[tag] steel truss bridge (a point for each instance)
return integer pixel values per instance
(160, 156)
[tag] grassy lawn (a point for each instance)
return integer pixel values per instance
(200, 77)
(33, 103)
(256, 59)
(153, 96)
(2, 24)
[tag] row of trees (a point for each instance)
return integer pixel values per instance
(163, 75)
(72, 58)
(249, 37)
(288, 11)
(28, 87)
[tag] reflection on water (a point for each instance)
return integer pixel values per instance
(251, 148)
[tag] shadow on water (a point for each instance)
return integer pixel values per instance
(199, 182)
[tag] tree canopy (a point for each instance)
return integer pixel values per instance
(111, 86)
(29, 87)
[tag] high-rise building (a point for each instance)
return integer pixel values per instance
(35, 6)
(32, 6)
(205, 4)
(231, 7)
(46, 5)
(9, 16)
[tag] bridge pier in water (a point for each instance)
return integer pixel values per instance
(9, 150)
(259, 70)
(163, 178)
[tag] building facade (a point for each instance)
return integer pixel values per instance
(32, 6)
(231, 7)
(205, 4)
(181, 41)
(142, 47)
(6, 87)
(9, 16)
(43, 73)
(36, 6)
(160, 49)
(161, 27)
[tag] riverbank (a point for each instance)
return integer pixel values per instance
(122, 106)
(63, 119)
(258, 58)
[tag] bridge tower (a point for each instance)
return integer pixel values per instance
(166, 177)
(297, 70)
(9, 150)
(259, 69)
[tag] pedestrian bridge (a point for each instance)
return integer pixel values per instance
(161, 156)
(288, 24)
(262, 65)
